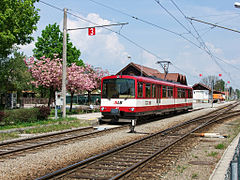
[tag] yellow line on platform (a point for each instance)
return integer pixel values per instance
(92, 119)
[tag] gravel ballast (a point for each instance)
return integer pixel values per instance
(37, 164)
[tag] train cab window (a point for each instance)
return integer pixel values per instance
(170, 92)
(153, 90)
(183, 93)
(118, 88)
(148, 90)
(164, 91)
(189, 93)
(140, 89)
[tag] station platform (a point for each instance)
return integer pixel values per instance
(223, 164)
(87, 116)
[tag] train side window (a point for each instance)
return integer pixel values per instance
(170, 92)
(153, 90)
(148, 90)
(164, 91)
(179, 92)
(140, 89)
(159, 91)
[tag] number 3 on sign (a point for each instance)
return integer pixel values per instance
(91, 31)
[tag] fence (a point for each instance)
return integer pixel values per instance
(77, 99)
(34, 100)
(233, 172)
(83, 99)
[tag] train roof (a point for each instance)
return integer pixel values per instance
(148, 79)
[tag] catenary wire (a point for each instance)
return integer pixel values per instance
(199, 39)
(204, 44)
(157, 26)
(125, 37)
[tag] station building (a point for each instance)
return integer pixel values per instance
(139, 70)
(201, 93)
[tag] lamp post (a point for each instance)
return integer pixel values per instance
(237, 4)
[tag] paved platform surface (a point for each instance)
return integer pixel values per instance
(223, 164)
(87, 116)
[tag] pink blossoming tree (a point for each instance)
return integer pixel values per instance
(47, 72)
(83, 78)
(94, 77)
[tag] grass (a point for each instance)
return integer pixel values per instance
(57, 127)
(220, 146)
(195, 156)
(181, 168)
(212, 154)
(43, 127)
(45, 122)
(7, 136)
(194, 176)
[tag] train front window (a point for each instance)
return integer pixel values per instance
(118, 88)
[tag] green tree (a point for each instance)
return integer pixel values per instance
(238, 93)
(209, 79)
(14, 75)
(51, 43)
(18, 19)
(219, 86)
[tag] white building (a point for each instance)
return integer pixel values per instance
(201, 93)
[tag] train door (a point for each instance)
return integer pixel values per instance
(186, 94)
(158, 94)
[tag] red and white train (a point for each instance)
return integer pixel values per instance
(125, 98)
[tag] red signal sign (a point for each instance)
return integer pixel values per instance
(200, 75)
(220, 75)
(91, 31)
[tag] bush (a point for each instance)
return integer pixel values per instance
(43, 112)
(1, 116)
(20, 116)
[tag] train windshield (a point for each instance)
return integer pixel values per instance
(118, 88)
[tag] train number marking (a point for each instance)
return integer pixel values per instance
(118, 102)
(147, 102)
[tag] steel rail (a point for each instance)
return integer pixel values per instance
(137, 165)
(58, 141)
(45, 135)
(91, 159)
(128, 170)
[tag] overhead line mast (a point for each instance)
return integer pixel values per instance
(64, 67)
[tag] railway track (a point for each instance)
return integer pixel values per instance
(19, 146)
(123, 161)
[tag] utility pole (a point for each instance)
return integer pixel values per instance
(64, 65)
(212, 92)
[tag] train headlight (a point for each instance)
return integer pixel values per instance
(132, 109)
(102, 108)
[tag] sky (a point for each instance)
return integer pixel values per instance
(157, 30)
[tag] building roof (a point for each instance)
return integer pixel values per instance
(146, 71)
(139, 70)
(200, 86)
